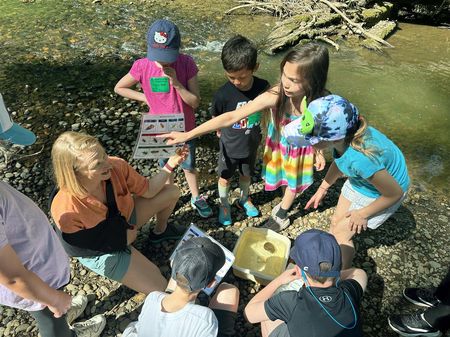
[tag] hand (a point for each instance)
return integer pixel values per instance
(171, 74)
(288, 276)
(319, 161)
(316, 199)
(174, 137)
(179, 156)
(62, 303)
(357, 222)
(218, 133)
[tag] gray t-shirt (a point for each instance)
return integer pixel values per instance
(27, 230)
(191, 321)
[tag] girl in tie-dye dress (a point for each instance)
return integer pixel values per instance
(303, 75)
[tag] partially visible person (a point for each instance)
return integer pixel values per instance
(33, 265)
(303, 76)
(239, 142)
(175, 314)
(170, 85)
(376, 168)
(328, 303)
(434, 319)
(101, 204)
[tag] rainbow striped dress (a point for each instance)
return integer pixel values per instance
(284, 164)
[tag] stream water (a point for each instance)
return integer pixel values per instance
(84, 46)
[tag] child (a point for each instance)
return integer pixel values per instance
(194, 267)
(303, 74)
(323, 306)
(376, 169)
(169, 81)
(238, 143)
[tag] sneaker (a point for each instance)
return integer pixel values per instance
(172, 232)
(275, 223)
(422, 297)
(202, 207)
(412, 325)
(93, 327)
(225, 215)
(247, 206)
(77, 307)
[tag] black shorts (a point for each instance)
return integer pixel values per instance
(226, 321)
(227, 165)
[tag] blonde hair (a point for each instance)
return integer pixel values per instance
(66, 151)
(358, 139)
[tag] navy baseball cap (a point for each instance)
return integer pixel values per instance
(198, 260)
(11, 131)
(163, 41)
(313, 247)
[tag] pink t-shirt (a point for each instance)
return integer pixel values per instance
(166, 102)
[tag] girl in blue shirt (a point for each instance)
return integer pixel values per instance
(376, 168)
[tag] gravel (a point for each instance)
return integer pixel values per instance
(410, 249)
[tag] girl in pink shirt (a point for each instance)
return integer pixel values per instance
(170, 85)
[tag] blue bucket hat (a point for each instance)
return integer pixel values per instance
(163, 41)
(11, 131)
(329, 118)
(313, 247)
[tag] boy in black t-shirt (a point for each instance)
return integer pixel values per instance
(239, 142)
(323, 306)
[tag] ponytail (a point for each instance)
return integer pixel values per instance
(358, 139)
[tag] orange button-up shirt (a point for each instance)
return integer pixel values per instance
(72, 214)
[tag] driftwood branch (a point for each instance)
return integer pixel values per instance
(354, 24)
(327, 40)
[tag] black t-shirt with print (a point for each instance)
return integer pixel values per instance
(306, 318)
(242, 138)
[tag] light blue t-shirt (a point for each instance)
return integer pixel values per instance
(360, 167)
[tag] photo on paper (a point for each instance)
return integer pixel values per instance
(194, 231)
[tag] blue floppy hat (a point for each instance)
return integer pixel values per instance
(11, 131)
(327, 118)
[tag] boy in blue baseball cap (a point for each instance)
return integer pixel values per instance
(376, 168)
(175, 314)
(323, 306)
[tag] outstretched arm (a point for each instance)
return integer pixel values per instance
(26, 284)
(262, 102)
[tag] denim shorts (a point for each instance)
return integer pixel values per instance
(359, 201)
(189, 163)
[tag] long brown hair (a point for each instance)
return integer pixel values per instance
(313, 61)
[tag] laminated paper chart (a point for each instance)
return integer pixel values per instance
(150, 147)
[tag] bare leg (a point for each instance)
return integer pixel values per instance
(191, 178)
(268, 326)
(288, 199)
(161, 205)
(226, 298)
(341, 231)
(142, 275)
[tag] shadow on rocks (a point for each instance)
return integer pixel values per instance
(397, 228)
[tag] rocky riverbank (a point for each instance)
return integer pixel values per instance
(409, 249)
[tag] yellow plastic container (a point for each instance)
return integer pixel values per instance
(260, 255)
